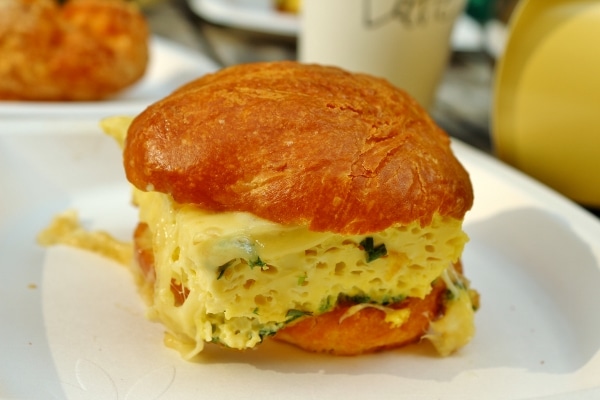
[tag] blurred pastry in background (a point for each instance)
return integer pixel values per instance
(78, 50)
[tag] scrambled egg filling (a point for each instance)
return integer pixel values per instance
(246, 277)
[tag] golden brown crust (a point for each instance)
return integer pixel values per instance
(82, 50)
(367, 330)
(299, 144)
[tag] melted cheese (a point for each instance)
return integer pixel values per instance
(456, 328)
(394, 317)
(66, 229)
(245, 274)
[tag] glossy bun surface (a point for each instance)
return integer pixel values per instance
(299, 144)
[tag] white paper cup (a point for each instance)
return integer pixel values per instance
(404, 41)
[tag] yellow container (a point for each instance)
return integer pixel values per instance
(546, 114)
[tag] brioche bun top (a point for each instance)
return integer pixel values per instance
(299, 144)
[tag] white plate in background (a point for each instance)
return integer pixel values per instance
(253, 15)
(170, 66)
(73, 326)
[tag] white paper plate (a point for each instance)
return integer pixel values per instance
(73, 326)
(261, 16)
(170, 66)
